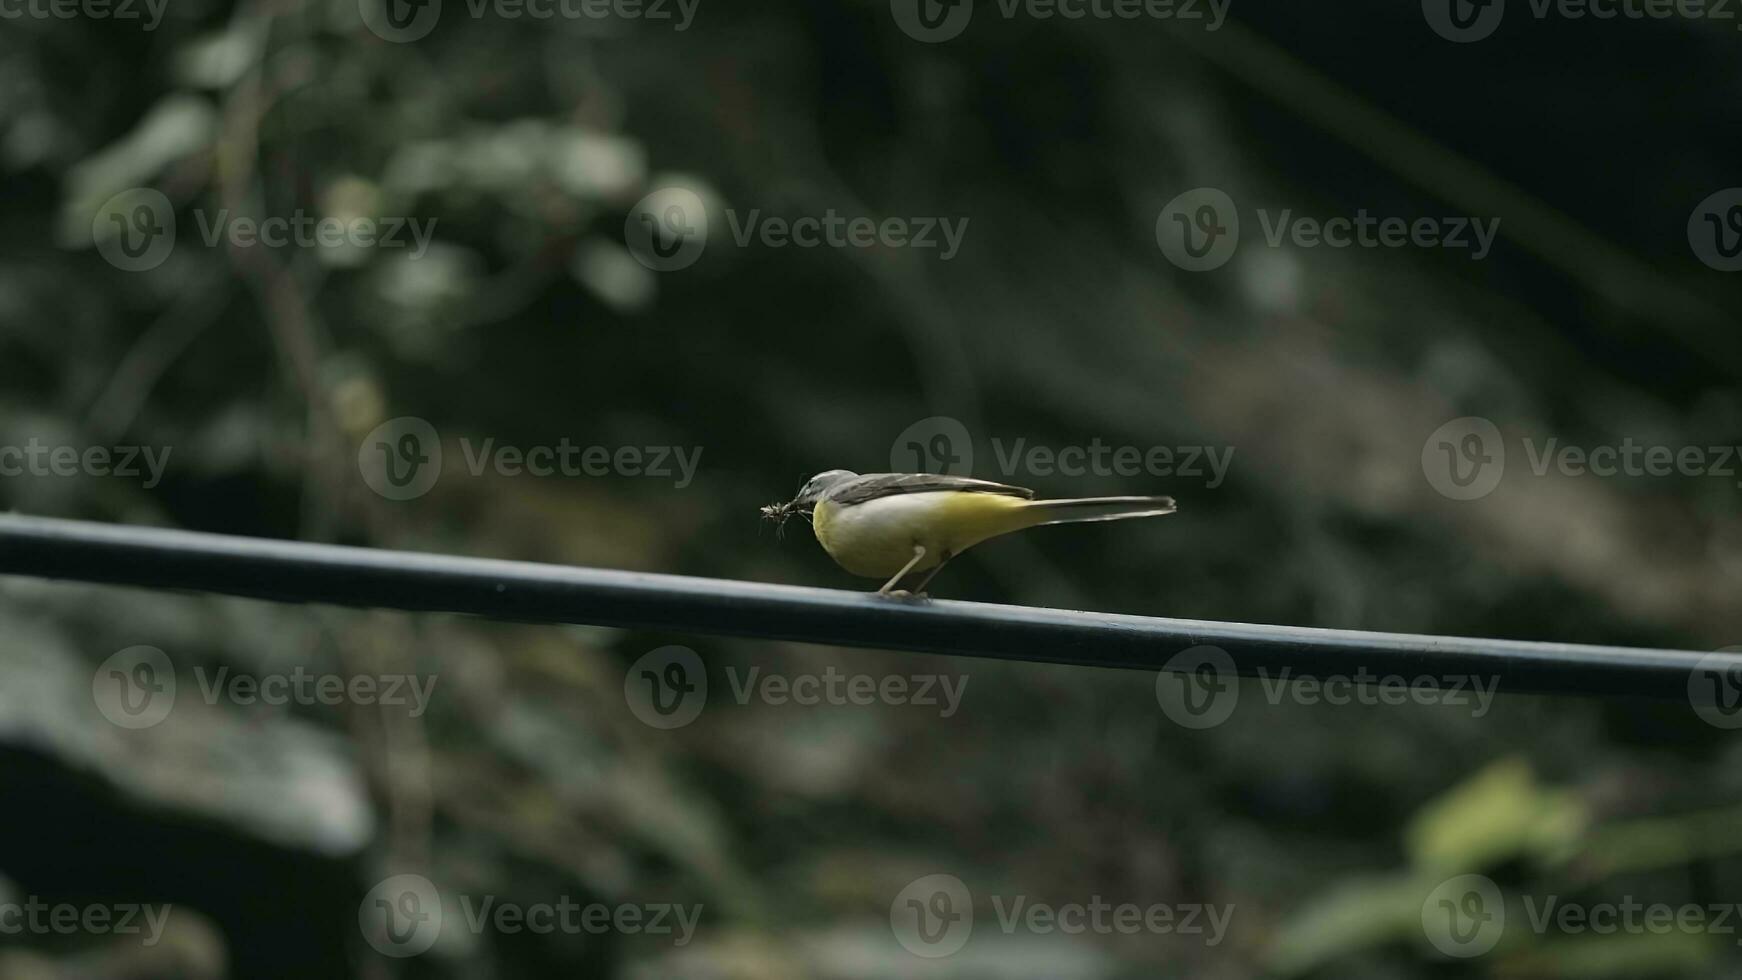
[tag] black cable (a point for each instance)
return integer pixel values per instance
(288, 571)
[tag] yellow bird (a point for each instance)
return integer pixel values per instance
(895, 524)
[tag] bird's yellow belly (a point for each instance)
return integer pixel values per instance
(876, 538)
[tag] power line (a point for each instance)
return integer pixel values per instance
(289, 571)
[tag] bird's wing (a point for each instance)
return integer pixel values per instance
(874, 485)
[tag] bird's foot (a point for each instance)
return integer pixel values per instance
(905, 595)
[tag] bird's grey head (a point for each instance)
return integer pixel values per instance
(808, 497)
(822, 483)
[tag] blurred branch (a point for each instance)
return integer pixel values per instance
(1552, 236)
(116, 407)
(288, 311)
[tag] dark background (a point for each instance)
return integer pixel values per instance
(1060, 322)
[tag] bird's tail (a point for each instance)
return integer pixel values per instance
(1041, 512)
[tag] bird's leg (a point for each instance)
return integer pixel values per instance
(943, 559)
(918, 554)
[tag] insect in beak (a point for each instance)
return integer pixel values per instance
(780, 513)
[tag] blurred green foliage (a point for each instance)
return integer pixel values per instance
(528, 320)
